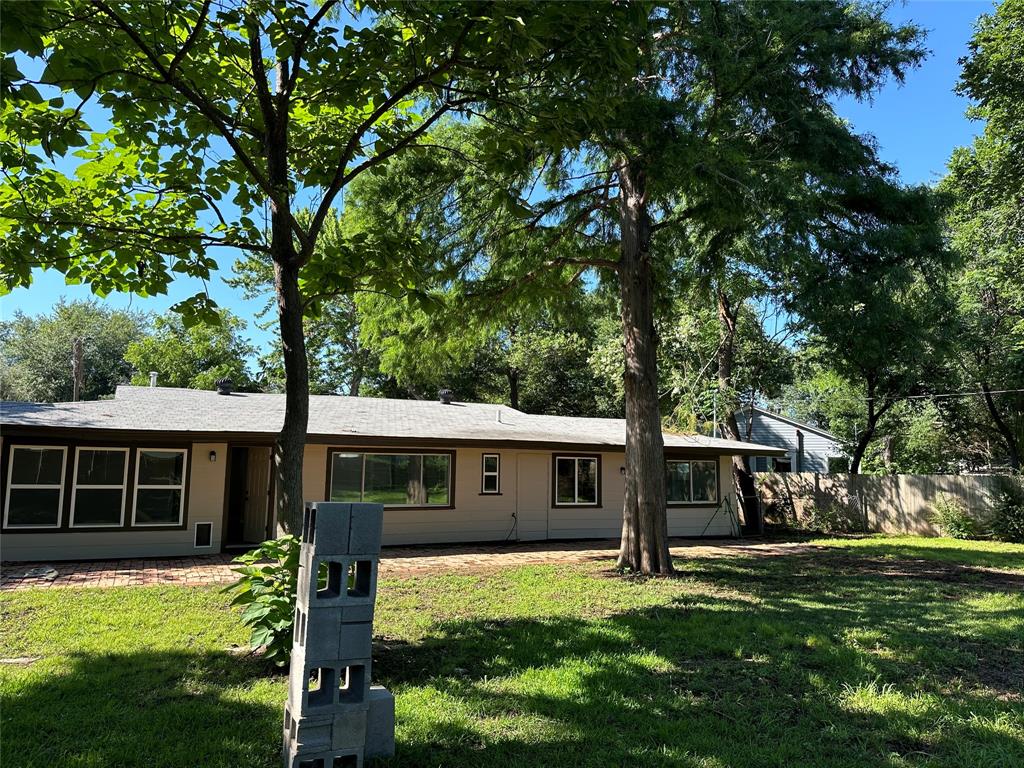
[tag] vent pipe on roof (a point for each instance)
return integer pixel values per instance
(152, 378)
(224, 386)
(498, 416)
(445, 396)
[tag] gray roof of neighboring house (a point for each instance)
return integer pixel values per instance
(205, 413)
(795, 423)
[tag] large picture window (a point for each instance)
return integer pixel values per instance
(35, 486)
(691, 481)
(159, 486)
(576, 481)
(97, 497)
(392, 479)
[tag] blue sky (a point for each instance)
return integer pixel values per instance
(917, 125)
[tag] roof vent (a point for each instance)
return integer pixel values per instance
(445, 396)
(152, 378)
(224, 386)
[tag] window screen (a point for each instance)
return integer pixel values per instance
(159, 487)
(392, 479)
(99, 486)
(576, 480)
(691, 481)
(35, 487)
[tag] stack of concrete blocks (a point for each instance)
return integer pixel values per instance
(334, 718)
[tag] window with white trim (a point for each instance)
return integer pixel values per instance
(98, 488)
(491, 473)
(691, 481)
(576, 481)
(35, 486)
(159, 486)
(392, 479)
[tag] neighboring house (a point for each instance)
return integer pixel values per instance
(159, 471)
(808, 449)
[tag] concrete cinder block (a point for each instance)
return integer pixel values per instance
(354, 681)
(337, 581)
(366, 526)
(313, 735)
(331, 712)
(352, 614)
(321, 632)
(348, 730)
(327, 531)
(380, 723)
(328, 684)
(314, 696)
(343, 758)
(356, 640)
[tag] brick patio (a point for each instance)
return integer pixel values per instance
(395, 561)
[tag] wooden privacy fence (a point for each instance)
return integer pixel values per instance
(881, 504)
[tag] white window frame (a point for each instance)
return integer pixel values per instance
(49, 487)
(697, 502)
(149, 487)
(450, 504)
(485, 473)
(123, 487)
(576, 482)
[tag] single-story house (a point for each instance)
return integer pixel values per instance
(807, 448)
(159, 472)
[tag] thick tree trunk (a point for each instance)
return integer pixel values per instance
(291, 442)
(1012, 447)
(742, 476)
(644, 547)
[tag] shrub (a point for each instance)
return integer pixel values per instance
(951, 516)
(1007, 521)
(832, 517)
(267, 590)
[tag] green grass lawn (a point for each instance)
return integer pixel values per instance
(867, 652)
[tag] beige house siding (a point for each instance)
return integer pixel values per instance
(205, 504)
(522, 510)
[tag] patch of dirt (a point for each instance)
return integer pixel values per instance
(1000, 670)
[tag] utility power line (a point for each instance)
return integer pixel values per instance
(948, 394)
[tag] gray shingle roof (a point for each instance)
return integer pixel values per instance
(205, 413)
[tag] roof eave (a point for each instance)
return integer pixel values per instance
(363, 440)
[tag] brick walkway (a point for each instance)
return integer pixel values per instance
(395, 561)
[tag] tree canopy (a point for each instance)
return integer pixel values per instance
(36, 351)
(194, 358)
(986, 226)
(218, 122)
(718, 152)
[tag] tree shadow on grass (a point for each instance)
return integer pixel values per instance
(790, 677)
(159, 708)
(911, 554)
(785, 662)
